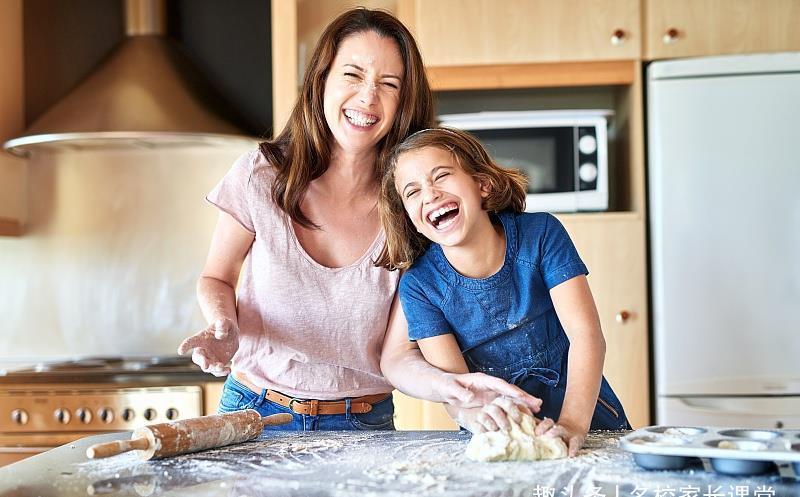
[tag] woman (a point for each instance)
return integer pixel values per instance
(299, 225)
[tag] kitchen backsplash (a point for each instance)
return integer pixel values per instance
(112, 250)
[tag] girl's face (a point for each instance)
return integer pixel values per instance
(362, 91)
(441, 199)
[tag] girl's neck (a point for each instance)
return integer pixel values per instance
(483, 254)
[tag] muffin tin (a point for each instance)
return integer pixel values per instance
(729, 451)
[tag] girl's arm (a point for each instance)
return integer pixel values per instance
(404, 366)
(443, 352)
(576, 310)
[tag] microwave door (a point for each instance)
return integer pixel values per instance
(545, 155)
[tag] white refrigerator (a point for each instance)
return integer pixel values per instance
(724, 213)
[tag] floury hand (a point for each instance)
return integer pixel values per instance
(479, 389)
(214, 347)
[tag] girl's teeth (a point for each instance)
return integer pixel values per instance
(445, 224)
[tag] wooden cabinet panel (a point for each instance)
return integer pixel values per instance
(13, 172)
(470, 32)
(716, 27)
(415, 414)
(612, 246)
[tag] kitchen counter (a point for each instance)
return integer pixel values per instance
(381, 464)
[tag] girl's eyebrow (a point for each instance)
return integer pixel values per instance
(361, 69)
(432, 173)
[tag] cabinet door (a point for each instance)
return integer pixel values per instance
(416, 414)
(684, 28)
(13, 172)
(613, 248)
(474, 32)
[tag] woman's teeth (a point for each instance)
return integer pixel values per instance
(359, 118)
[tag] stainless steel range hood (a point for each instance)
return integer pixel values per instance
(146, 94)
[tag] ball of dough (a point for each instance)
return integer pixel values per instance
(519, 443)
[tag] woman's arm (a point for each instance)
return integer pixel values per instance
(216, 288)
(405, 367)
(216, 293)
(576, 310)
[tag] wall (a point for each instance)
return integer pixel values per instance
(110, 256)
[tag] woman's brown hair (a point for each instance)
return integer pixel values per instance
(506, 190)
(302, 151)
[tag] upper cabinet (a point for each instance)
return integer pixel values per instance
(13, 171)
(688, 28)
(487, 32)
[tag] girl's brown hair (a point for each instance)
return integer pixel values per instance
(506, 190)
(302, 151)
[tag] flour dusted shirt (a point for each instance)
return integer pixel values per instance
(307, 330)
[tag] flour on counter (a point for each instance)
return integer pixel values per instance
(370, 464)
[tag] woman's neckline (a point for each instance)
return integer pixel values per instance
(370, 249)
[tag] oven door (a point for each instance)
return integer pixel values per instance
(16, 447)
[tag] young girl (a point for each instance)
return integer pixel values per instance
(499, 291)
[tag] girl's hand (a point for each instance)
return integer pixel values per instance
(213, 347)
(572, 435)
(493, 416)
(466, 390)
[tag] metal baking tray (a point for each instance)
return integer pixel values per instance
(724, 450)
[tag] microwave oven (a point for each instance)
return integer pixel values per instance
(564, 153)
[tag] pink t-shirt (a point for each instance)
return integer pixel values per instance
(307, 330)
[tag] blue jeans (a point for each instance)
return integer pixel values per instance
(236, 397)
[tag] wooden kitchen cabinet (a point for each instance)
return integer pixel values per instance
(613, 248)
(687, 28)
(487, 32)
(13, 171)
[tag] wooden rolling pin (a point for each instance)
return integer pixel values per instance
(190, 435)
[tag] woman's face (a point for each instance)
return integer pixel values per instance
(362, 91)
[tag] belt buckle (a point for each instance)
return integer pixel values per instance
(313, 406)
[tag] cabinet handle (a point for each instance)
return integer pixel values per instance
(618, 38)
(622, 317)
(671, 36)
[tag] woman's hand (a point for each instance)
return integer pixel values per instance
(214, 347)
(493, 416)
(467, 390)
(573, 435)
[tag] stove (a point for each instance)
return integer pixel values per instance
(142, 369)
(48, 403)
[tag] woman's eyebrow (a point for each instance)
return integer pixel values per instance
(361, 69)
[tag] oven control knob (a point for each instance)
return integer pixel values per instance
(587, 144)
(588, 172)
(19, 416)
(149, 414)
(172, 414)
(128, 414)
(62, 415)
(84, 415)
(106, 414)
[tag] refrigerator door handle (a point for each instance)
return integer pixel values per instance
(746, 406)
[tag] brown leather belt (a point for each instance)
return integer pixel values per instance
(311, 407)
